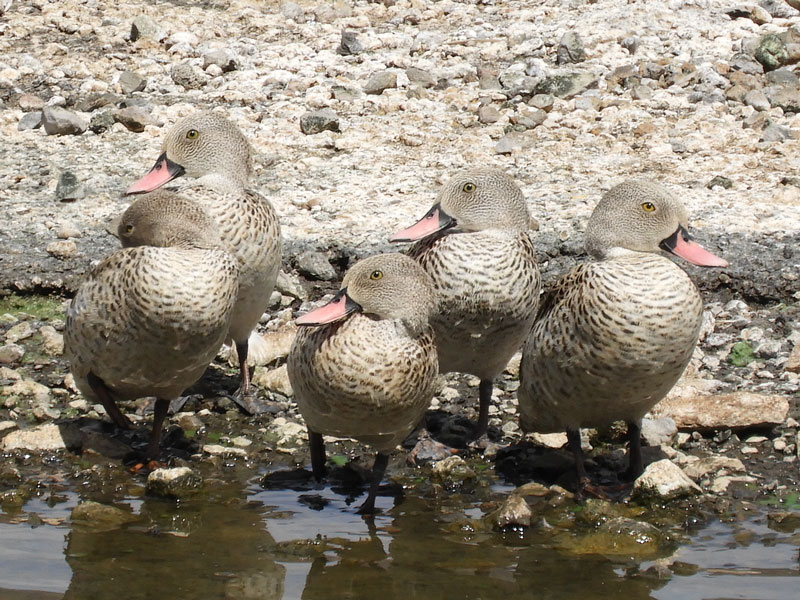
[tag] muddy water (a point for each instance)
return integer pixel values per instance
(241, 541)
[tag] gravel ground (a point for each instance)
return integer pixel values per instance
(568, 97)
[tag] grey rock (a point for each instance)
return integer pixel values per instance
(43, 438)
(31, 120)
(145, 27)
(92, 102)
(771, 52)
(178, 482)
(776, 133)
(11, 353)
(30, 103)
(757, 121)
(641, 92)
(60, 121)
(383, 80)
(292, 11)
(528, 119)
(187, 75)
(750, 11)
(349, 43)
(757, 99)
(518, 84)
(631, 44)
(69, 188)
(62, 249)
(514, 511)
(570, 49)
(779, 9)
(20, 331)
(102, 122)
(658, 431)
(130, 81)
(782, 76)
(345, 94)
(568, 85)
(420, 77)
(453, 468)
(786, 97)
(512, 141)
(488, 78)
(542, 101)
(488, 114)
(735, 410)
(720, 180)
(289, 285)
(746, 64)
(133, 118)
(663, 480)
(315, 265)
(711, 465)
(224, 59)
(318, 121)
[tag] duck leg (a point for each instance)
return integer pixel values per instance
(635, 463)
(485, 400)
(104, 395)
(241, 351)
(378, 469)
(159, 414)
(574, 443)
(317, 447)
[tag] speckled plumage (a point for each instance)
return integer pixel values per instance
(149, 320)
(613, 336)
(217, 163)
(369, 375)
(485, 275)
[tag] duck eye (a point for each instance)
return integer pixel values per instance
(375, 275)
(192, 134)
(649, 206)
(469, 187)
(128, 228)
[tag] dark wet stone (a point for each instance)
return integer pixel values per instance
(224, 59)
(318, 121)
(313, 501)
(130, 81)
(60, 121)
(721, 181)
(187, 75)
(315, 265)
(570, 49)
(96, 100)
(349, 43)
(145, 27)
(31, 120)
(566, 86)
(102, 122)
(420, 77)
(514, 512)
(784, 521)
(771, 52)
(68, 188)
(133, 118)
(379, 82)
(101, 517)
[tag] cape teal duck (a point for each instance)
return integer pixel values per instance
(151, 317)
(215, 156)
(364, 365)
(613, 336)
(475, 245)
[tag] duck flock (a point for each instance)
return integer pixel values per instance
(200, 255)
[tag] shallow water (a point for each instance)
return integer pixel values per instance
(246, 542)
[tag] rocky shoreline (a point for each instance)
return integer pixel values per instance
(358, 110)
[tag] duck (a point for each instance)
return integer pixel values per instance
(476, 246)
(364, 365)
(150, 317)
(215, 159)
(613, 336)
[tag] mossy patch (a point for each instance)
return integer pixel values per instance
(44, 308)
(741, 354)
